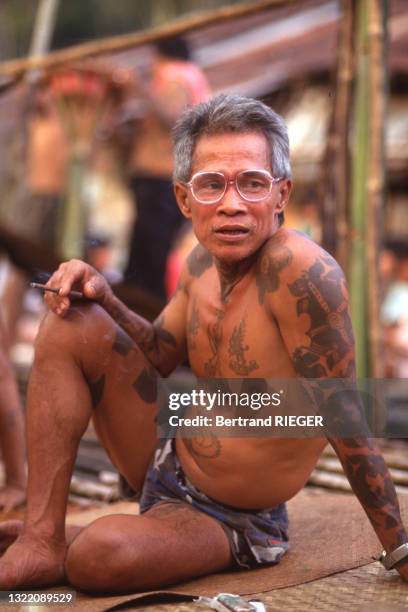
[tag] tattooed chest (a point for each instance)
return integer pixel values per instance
(218, 346)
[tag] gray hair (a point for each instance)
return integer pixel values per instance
(227, 113)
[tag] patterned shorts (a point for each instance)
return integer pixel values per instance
(256, 537)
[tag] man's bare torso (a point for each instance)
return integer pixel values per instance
(46, 156)
(238, 337)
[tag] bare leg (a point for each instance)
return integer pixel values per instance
(83, 367)
(123, 553)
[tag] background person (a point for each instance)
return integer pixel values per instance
(394, 309)
(38, 213)
(176, 83)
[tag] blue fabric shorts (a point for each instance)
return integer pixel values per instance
(256, 537)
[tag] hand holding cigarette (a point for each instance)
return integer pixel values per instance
(73, 295)
(59, 294)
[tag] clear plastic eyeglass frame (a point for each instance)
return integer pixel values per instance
(236, 182)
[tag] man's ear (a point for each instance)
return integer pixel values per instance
(285, 188)
(181, 193)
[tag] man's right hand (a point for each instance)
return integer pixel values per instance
(75, 275)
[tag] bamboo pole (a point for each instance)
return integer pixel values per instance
(43, 27)
(376, 172)
(358, 212)
(15, 68)
(339, 482)
(337, 162)
(333, 466)
(368, 179)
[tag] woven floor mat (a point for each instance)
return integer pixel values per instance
(329, 533)
(365, 589)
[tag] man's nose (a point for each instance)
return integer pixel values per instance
(232, 202)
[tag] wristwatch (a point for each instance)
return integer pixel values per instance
(389, 560)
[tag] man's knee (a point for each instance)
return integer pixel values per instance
(96, 559)
(82, 329)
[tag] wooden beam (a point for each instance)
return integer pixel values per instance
(14, 68)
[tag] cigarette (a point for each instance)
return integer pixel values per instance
(74, 295)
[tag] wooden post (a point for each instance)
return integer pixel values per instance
(377, 32)
(368, 178)
(43, 27)
(359, 175)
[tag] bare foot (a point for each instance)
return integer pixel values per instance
(32, 562)
(10, 530)
(12, 496)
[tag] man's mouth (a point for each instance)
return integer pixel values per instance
(232, 231)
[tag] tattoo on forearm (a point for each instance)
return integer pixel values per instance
(146, 385)
(322, 295)
(236, 351)
(275, 259)
(149, 338)
(163, 334)
(137, 328)
(371, 482)
(96, 389)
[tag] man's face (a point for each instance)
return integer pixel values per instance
(233, 228)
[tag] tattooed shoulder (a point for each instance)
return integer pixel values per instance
(274, 258)
(199, 261)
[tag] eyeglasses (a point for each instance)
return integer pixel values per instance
(252, 185)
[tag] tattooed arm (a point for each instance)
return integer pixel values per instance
(310, 303)
(163, 342)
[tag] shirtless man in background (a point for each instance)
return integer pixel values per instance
(236, 314)
(46, 171)
(175, 83)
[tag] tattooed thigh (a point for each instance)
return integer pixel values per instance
(96, 389)
(145, 385)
